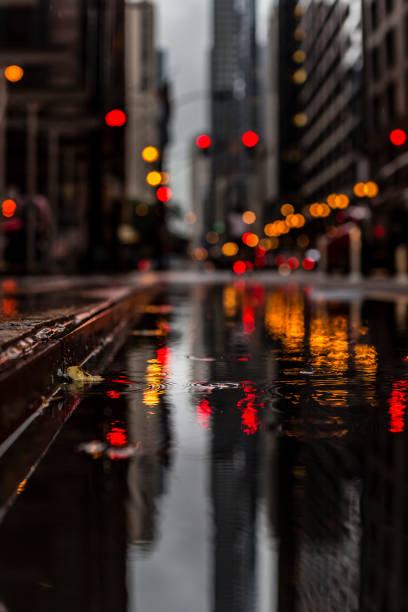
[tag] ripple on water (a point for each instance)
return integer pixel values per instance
(208, 386)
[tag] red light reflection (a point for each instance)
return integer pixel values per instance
(248, 320)
(398, 403)
(204, 412)
(113, 394)
(117, 436)
(163, 355)
(249, 407)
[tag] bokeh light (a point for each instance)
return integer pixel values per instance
(8, 208)
(142, 209)
(239, 267)
(300, 76)
(359, 190)
(164, 194)
(13, 73)
(190, 218)
(219, 226)
(371, 189)
(250, 139)
(299, 34)
(300, 120)
(308, 264)
(249, 217)
(115, 118)
(299, 56)
(303, 241)
(284, 269)
(250, 239)
(287, 209)
(165, 178)
(293, 263)
(212, 237)
(398, 137)
(230, 249)
(203, 141)
(154, 178)
(150, 154)
(200, 254)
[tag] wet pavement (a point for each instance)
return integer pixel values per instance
(246, 451)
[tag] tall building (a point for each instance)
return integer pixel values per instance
(233, 105)
(290, 116)
(386, 54)
(55, 140)
(141, 97)
(330, 37)
(271, 109)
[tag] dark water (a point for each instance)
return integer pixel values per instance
(249, 455)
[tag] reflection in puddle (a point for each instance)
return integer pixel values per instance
(271, 477)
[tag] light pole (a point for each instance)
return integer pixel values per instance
(32, 130)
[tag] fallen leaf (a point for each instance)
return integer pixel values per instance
(78, 374)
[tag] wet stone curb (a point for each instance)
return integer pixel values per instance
(29, 368)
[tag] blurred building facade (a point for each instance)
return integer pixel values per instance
(331, 81)
(55, 140)
(386, 97)
(234, 106)
(141, 97)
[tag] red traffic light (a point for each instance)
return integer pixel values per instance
(164, 194)
(398, 137)
(115, 118)
(250, 139)
(203, 141)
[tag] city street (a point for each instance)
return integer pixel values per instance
(203, 305)
(244, 449)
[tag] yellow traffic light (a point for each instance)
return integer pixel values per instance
(150, 154)
(154, 178)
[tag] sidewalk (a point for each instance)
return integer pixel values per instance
(47, 325)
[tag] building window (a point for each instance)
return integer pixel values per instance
(377, 120)
(391, 101)
(375, 63)
(390, 48)
(406, 35)
(389, 6)
(374, 15)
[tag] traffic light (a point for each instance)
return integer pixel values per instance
(115, 118)
(250, 139)
(203, 142)
(150, 154)
(164, 194)
(398, 137)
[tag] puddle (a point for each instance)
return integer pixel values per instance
(270, 478)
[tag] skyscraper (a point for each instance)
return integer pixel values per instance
(233, 104)
(331, 82)
(141, 96)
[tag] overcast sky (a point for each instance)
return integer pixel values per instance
(184, 32)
